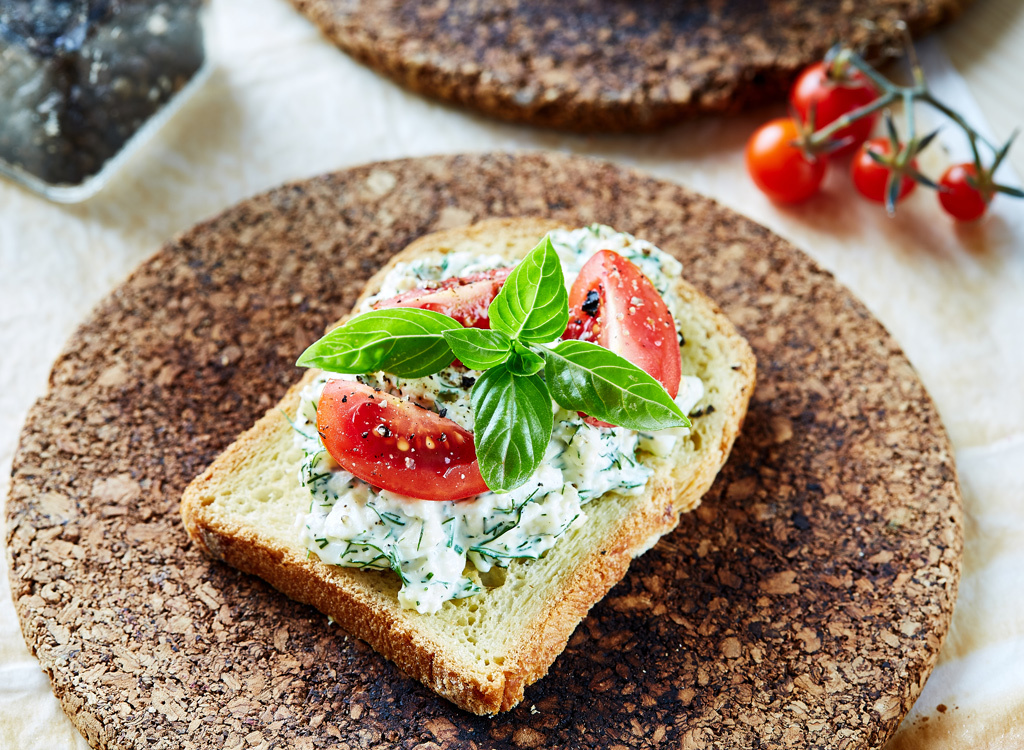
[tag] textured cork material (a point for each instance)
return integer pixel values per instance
(608, 65)
(802, 605)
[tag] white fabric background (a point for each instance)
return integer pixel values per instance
(283, 105)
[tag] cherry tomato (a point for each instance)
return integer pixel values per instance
(779, 167)
(870, 177)
(466, 298)
(962, 201)
(393, 444)
(833, 99)
(613, 304)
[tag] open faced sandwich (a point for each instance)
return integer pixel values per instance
(476, 455)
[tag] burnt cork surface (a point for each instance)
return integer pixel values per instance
(609, 65)
(802, 605)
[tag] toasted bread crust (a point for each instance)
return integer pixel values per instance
(363, 602)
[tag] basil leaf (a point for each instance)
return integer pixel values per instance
(477, 348)
(512, 421)
(533, 305)
(586, 377)
(524, 361)
(403, 341)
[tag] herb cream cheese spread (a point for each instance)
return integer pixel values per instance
(435, 546)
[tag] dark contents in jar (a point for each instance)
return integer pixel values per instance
(79, 77)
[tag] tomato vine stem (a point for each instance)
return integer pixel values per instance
(900, 159)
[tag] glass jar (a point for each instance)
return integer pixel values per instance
(84, 82)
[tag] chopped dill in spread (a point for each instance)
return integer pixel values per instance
(437, 548)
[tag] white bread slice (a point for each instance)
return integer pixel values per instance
(480, 652)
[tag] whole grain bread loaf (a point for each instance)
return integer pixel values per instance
(480, 652)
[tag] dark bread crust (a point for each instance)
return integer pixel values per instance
(374, 616)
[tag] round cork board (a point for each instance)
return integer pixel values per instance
(802, 605)
(609, 65)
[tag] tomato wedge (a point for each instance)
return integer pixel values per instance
(613, 304)
(465, 298)
(393, 444)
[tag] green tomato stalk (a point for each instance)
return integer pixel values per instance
(902, 152)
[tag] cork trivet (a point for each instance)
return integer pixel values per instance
(802, 605)
(609, 65)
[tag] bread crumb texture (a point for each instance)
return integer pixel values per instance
(803, 602)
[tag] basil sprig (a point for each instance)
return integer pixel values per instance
(512, 421)
(512, 410)
(533, 305)
(477, 348)
(405, 341)
(590, 378)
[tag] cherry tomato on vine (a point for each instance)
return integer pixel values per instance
(870, 177)
(962, 200)
(831, 100)
(778, 165)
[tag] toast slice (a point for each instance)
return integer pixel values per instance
(480, 652)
